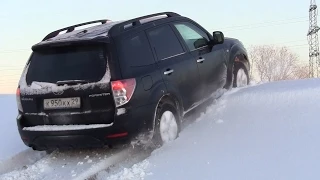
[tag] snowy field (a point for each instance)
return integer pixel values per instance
(267, 131)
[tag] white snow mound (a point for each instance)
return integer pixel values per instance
(268, 131)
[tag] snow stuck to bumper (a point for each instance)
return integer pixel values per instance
(65, 127)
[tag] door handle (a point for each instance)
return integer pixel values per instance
(200, 60)
(168, 72)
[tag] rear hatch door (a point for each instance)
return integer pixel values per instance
(68, 85)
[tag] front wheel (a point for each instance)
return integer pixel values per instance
(241, 77)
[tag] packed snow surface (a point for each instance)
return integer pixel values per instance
(268, 131)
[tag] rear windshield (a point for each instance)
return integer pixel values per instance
(67, 63)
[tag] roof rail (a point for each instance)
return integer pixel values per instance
(71, 28)
(136, 21)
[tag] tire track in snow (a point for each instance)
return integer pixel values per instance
(86, 164)
(22, 159)
(75, 164)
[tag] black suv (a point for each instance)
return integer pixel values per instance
(110, 82)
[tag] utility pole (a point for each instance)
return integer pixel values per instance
(314, 55)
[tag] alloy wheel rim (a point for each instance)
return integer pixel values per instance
(242, 79)
(168, 127)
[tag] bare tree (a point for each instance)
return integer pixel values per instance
(301, 72)
(273, 63)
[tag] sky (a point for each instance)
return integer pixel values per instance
(254, 22)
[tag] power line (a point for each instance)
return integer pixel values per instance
(247, 26)
(232, 28)
(9, 50)
(290, 41)
(11, 76)
(272, 25)
(10, 66)
(266, 22)
(14, 69)
(298, 45)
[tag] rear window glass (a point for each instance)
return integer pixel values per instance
(67, 63)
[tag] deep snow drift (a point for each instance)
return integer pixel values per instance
(268, 131)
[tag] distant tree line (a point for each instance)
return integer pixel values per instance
(272, 63)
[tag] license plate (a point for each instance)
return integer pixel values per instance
(62, 103)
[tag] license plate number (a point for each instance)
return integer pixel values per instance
(62, 103)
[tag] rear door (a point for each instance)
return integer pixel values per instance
(210, 59)
(68, 85)
(177, 66)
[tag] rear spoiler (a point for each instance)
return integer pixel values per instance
(68, 42)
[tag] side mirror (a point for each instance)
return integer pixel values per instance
(218, 37)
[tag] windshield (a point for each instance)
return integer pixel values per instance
(67, 63)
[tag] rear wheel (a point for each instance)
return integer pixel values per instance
(167, 126)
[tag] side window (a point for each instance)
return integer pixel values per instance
(193, 36)
(135, 51)
(165, 42)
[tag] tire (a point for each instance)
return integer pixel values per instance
(240, 76)
(229, 80)
(167, 123)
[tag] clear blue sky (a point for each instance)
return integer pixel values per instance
(24, 23)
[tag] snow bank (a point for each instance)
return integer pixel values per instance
(11, 143)
(269, 131)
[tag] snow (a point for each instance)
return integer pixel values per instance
(73, 164)
(137, 171)
(8, 128)
(65, 127)
(168, 126)
(121, 111)
(267, 131)
(21, 160)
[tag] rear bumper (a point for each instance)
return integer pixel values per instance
(122, 130)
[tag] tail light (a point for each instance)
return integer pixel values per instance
(19, 100)
(123, 90)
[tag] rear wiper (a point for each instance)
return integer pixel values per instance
(71, 82)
